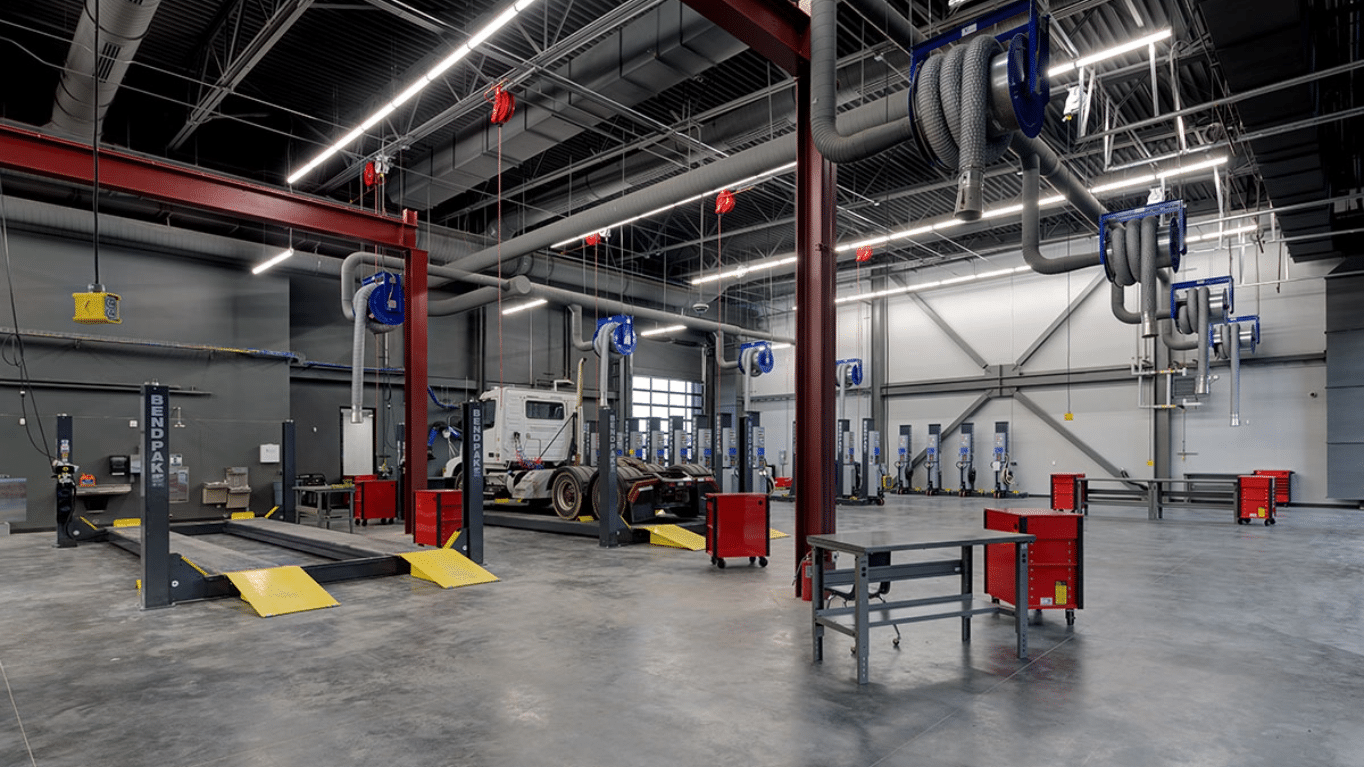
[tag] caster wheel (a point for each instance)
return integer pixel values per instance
(762, 561)
(1070, 617)
(712, 560)
(895, 642)
(720, 563)
(880, 501)
(1268, 523)
(1273, 521)
(751, 560)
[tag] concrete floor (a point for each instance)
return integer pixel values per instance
(1202, 643)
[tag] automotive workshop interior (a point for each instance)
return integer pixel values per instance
(680, 382)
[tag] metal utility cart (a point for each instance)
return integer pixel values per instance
(738, 525)
(1055, 563)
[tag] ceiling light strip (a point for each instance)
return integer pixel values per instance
(523, 307)
(274, 261)
(934, 284)
(662, 331)
(478, 38)
(1109, 53)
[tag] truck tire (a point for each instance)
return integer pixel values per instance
(567, 494)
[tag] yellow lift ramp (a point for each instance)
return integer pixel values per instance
(446, 568)
(675, 537)
(280, 590)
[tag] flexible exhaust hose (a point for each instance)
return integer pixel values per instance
(1234, 348)
(357, 351)
(1149, 295)
(1120, 246)
(1032, 232)
(1204, 299)
(834, 145)
(951, 104)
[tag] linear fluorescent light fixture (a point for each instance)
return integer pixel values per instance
(523, 307)
(1147, 178)
(1223, 233)
(741, 183)
(416, 87)
(934, 284)
(272, 261)
(662, 331)
(743, 270)
(947, 223)
(775, 347)
(1108, 53)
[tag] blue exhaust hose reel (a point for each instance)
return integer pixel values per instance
(756, 358)
(620, 335)
(386, 302)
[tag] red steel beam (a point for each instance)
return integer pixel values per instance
(51, 157)
(778, 30)
(816, 268)
(414, 384)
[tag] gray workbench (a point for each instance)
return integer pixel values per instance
(861, 546)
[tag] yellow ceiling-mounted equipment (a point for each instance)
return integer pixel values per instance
(97, 307)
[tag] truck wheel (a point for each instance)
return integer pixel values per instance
(566, 493)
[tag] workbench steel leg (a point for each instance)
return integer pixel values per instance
(1021, 598)
(817, 601)
(967, 589)
(1153, 498)
(861, 587)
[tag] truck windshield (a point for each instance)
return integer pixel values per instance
(546, 411)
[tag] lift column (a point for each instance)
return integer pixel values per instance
(903, 469)
(64, 472)
(871, 460)
(965, 461)
(933, 460)
(681, 441)
(156, 585)
(999, 458)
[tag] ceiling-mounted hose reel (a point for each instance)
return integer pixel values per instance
(967, 103)
(615, 334)
(385, 303)
(848, 372)
(756, 358)
(1128, 252)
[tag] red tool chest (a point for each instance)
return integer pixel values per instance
(439, 516)
(1255, 499)
(1067, 492)
(737, 525)
(1283, 484)
(1055, 560)
(375, 498)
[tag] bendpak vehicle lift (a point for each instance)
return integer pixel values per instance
(196, 569)
(904, 467)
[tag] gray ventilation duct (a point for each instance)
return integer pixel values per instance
(665, 47)
(82, 99)
(351, 264)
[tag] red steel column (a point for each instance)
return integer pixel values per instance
(816, 330)
(414, 383)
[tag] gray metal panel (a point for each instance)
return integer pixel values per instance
(1345, 418)
(1344, 359)
(13, 499)
(1344, 304)
(1345, 471)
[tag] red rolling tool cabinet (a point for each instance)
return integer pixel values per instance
(439, 516)
(1055, 561)
(1255, 499)
(375, 499)
(1283, 485)
(1068, 492)
(737, 525)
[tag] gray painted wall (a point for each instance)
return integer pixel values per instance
(163, 299)
(1283, 406)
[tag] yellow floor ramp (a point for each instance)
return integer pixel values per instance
(676, 537)
(280, 590)
(446, 568)
(773, 534)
